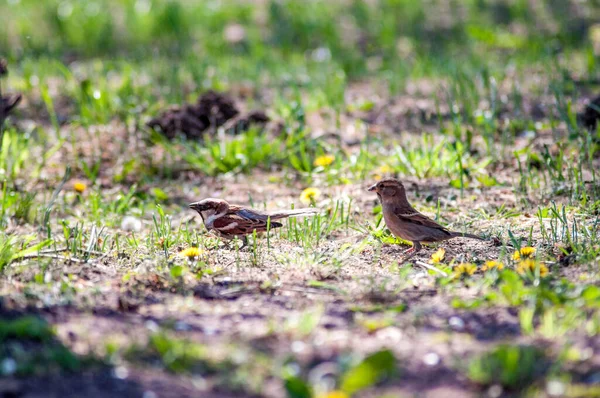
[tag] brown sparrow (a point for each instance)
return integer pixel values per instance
(407, 223)
(230, 221)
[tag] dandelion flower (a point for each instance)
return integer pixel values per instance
(130, 223)
(464, 269)
(492, 264)
(381, 171)
(324, 160)
(310, 195)
(191, 253)
(530, 266)
(438, 256)
(524, 253)
(334, 394)
(385, 169)
(79, 187)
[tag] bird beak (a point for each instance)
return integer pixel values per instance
(373, 188)
(195, 206)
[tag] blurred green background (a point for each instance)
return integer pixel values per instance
(394, 38)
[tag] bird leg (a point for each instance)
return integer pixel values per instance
(244, 242)
(416, 247)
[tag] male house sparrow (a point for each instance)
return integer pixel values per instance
(407, 223)
(229, 221)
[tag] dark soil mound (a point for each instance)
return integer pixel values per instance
(590, 116)
(7, 102)
(212, 110)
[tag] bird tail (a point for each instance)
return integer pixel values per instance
(293, 213)
(466, 235)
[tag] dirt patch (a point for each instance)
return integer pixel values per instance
(312, 303)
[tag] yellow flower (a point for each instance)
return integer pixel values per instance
(381, 171)
(385, 169)
(530, 266)
(324, 160)
(79, 187)
(310, 195)
(464, 269)
(334, 394)
(492, 264)
(438, 256)
(525, 252)
(190, 252)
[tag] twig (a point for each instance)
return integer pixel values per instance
(53, 254)
(64, 249)
(312, 290)
(48, 255)
(422, 292)
(431, 267)
(237, 290)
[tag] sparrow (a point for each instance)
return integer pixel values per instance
(407, 223)
(230, 221)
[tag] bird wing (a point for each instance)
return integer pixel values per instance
(275, 215)
(421, 219)
(238, 224)
(250, 214)
(293, 213)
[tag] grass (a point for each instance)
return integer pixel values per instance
(474, 106)
(29, 347)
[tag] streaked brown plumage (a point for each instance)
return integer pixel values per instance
(229, 221)
(407, 223)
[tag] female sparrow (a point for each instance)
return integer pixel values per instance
(407, 223)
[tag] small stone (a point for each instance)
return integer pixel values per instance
(298, 347)
(456, 323)
(152, 326)
(321, 54)
(389, 334)
(120, 372)
(555, 388)
(234, 33)
(8, 366)
(494, 391)
(431, 359)
(182, 326)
